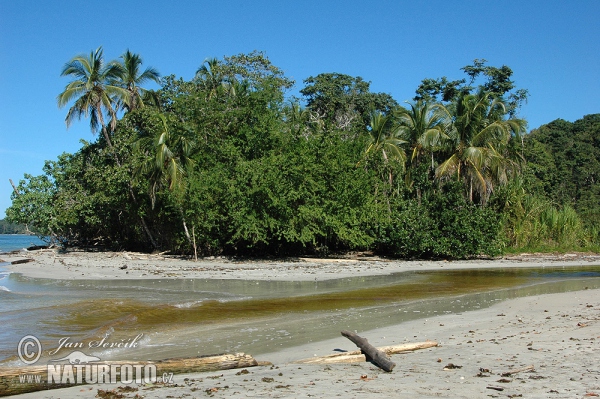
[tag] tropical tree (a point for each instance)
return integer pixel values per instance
(479, 137)
(96, 89)
(210, 77)
(166, 157)
(385, 139)
(424, 127)
(131, 79)
(94, 92)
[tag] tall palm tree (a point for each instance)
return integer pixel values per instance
(93, 91)
(209, 75)
(167, 158)
(131, 79)
(479, 138)
(385, 139)
(424, 126)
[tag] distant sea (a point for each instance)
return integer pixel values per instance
(15, 242)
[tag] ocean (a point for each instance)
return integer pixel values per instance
(15, 242)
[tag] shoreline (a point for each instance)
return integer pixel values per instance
(51, 264)
(557, 334)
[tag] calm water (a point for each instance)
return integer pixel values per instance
(199, 317)
(15, 242)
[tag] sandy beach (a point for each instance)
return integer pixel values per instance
(129, 265)
(557, 334)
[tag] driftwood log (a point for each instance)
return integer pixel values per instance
(358, 356)
(375, 355)
(19, 261)
(11, 379)
(515, 371)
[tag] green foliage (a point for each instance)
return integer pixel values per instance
(344, 101)
(11, 228)
(34, 205)
(564, 162)
(222, 164)
(495, 81)
(445, 225)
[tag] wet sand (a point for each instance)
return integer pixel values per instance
(558, 334)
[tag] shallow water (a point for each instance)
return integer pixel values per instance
(199, 317)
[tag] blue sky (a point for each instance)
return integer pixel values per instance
(552, 46)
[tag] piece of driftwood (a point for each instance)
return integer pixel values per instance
(19, 261)
(15, 381)
(375, 355)
(358, 356)
(515, 371)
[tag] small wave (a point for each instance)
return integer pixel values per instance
(239, 298)
(186, 305)
(3, 288)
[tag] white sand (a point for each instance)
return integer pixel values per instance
(119, 265)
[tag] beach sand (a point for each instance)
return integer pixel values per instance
(558, 334)
(119, 265)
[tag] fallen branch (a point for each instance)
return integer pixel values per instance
(358, 356)
(19, 261)
(515, 371)
(375, 355)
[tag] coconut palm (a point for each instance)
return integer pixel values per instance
(479, 137)
(131, 79)
(424, 126)
(385, 139)
(166, 159)
(96, 93)
(209, 76)
(93, 91)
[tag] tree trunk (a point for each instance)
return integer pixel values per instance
(10, 378)
(185, 229)
(375, 355)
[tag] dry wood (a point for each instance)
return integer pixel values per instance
(358, 356)
(206, 363)
(515, 371)
(19, 261)
(375, 355)
(10, 383)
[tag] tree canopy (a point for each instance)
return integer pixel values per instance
(229, 163)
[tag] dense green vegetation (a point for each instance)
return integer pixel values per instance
(229, 163)
(11, 228)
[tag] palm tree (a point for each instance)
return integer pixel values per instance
(167, 158)
(425, 128)
(210, 77)
(93, 91)
(131, 79)
(479, 138)
(385, 139)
